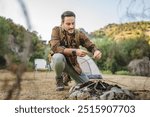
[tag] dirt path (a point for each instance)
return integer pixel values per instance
(42, 85)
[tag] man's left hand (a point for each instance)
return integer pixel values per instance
(97, 54)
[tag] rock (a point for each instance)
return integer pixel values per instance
(140, 67)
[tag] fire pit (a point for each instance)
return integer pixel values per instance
(98, 90)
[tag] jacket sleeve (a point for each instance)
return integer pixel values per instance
(85, 42)
(55, 41)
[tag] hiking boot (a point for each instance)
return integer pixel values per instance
(59, 84)
(66, 79)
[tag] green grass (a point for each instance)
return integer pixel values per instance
(106, 72)
(122, 72)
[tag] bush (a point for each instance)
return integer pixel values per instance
(117, 55)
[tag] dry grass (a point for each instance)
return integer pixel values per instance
(41, 86)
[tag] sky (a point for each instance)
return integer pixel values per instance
(90, 14)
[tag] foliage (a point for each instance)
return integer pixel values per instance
(4, 31)
(121, 43)
(131, 30)
(117, 55)
(13, 38)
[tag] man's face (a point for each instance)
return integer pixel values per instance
(69, 24)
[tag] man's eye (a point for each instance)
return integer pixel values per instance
(68, 23)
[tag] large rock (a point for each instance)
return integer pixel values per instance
(140, 67)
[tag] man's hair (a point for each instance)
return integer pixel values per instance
(67, 14)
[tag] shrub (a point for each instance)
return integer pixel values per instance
(117, 55)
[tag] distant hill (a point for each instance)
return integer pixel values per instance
(124, 31)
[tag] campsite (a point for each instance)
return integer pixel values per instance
(25, 71)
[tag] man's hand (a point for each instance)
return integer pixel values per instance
(81, 53)
(97, 54)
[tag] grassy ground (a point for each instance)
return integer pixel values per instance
(41, 85)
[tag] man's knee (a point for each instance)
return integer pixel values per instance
(58, 61)
(58, 57)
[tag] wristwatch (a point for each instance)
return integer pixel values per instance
(74, 52)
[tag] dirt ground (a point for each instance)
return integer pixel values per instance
(41, 85)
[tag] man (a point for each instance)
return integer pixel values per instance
(65, 42)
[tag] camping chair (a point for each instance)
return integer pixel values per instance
(40, 65)
(89, 67)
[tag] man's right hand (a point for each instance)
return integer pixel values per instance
(77, 52)
(81, 53)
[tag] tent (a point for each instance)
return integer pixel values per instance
(89, 67)
(41, 64)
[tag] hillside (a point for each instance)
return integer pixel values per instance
(132, 30)
(123, 43)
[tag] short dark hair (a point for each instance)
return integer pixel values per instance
(67, 14)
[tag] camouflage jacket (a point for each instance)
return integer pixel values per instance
(61, 40)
